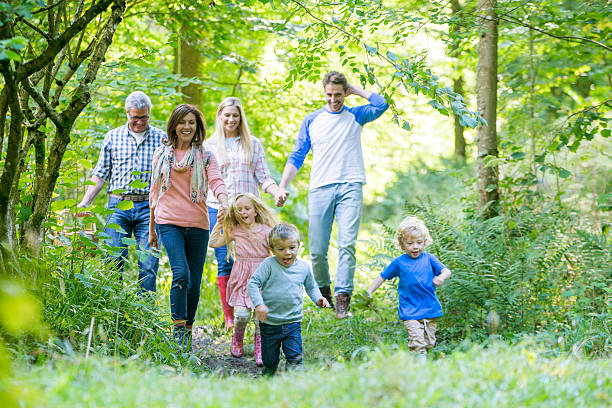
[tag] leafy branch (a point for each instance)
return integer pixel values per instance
(409, 73)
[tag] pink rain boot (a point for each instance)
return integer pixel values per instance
(237, 339)
(228, 311)
(258, 358)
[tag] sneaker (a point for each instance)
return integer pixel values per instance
(343, 305)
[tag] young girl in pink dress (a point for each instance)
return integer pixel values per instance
(247, 224)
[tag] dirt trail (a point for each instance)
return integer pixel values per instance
(213, 347)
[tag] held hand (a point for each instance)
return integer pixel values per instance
(66, 211)
(221, 214)
(280, 197)
(261, 313)
(322, 302)
(153, 240)
(223, 201)
(437, 280)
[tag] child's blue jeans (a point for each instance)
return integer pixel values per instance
(273, 337)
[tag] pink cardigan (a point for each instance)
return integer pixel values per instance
(175, 206)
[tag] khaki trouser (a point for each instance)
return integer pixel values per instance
(422, 334)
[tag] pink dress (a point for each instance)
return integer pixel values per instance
(251, 249)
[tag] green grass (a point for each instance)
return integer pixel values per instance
(499, 376)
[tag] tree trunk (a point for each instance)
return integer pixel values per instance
(190, 60)
(457, 86)
(11, 158)
(63, 123)
(459, 129)
(486, 79)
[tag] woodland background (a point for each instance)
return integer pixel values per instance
(497, 137)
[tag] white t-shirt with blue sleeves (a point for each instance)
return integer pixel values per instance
(335, 140)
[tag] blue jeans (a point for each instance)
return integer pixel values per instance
(289, 336)
(224, 266)
(186, 248)
(133, 221)
(342, 201)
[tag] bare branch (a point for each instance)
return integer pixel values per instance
(33, 27)
(42, 10)
(82, 96)
(570, 38)
(58, 43)
(72, 68)
(42, 102)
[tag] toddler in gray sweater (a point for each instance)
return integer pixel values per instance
(277, 291)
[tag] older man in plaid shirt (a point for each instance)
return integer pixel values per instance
(125, 162)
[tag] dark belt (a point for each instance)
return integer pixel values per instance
(132, 197)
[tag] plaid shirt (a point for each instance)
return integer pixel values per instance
(121, 156)
(239, 176)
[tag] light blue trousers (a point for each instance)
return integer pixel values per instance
(342, 201)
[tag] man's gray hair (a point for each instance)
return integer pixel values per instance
(138, 100)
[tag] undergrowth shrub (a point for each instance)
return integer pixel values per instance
(540, 271)
(74, 288)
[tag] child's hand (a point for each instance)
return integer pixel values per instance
(261, 313)
(221, 214)
(322, 302)
(438, 280)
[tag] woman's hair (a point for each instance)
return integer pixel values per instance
(243, 132)
(412, 227)
(283, 231)
(138, 100)
(175, 117)
(263, 214)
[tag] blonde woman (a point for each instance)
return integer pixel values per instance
(242, 164)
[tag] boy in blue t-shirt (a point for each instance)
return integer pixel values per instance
(419, 274)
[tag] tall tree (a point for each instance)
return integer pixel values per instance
(189, 62)
(486, 74)
(458, 128)
(48, 52)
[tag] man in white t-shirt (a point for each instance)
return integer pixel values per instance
(337, 175)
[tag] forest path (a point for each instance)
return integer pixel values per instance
(212, 346)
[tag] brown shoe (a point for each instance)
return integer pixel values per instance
(343, 305)
(327, 294)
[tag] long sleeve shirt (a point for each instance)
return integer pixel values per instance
(124, 158)
(175, 206)
(281, 289)
(238, 175)
(335, 140)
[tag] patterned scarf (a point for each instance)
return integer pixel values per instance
(196, 160)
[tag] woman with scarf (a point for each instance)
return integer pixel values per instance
(182, 173)
(242, 163)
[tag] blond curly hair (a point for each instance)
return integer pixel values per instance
(412, 227)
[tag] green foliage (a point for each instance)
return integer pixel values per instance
(348, 34)
(385, 377)
(77, 292)
(538, 271)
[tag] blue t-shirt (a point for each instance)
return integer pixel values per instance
(417, 292)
